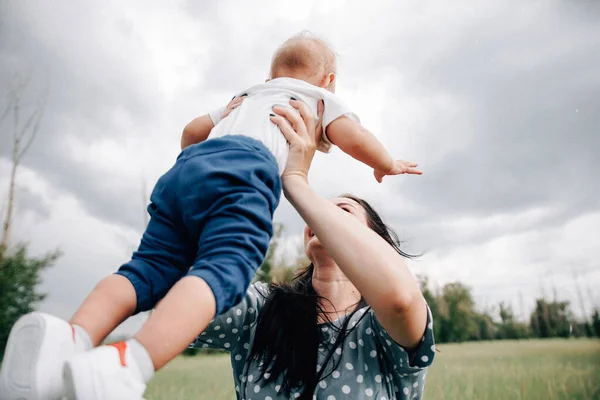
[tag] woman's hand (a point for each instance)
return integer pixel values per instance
(302, 132)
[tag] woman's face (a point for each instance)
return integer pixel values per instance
(312, 245)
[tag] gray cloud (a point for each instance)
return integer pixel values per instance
(529, 92)
(498, 103)
(89, 86)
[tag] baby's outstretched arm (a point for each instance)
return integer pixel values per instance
(355, 140)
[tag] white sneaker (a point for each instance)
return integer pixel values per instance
(105, 373)
(37, 349)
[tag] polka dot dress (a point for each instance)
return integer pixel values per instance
(371, 365)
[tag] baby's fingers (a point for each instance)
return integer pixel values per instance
(409, 167)
(233, 104)
(413, 171)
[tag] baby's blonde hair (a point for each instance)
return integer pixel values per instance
(304, 51)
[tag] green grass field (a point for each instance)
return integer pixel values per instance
(536, 370)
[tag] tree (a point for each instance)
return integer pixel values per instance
(433, 301)
(19, 276)
(284, 274)
(509, 327)
(551, 319)
(486, 329)
(265, 272)
(596, 322)
(19, 273)
(454, 315)
(23, 135)
(457, 314)
(287, 272)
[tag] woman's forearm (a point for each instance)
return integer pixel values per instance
(371, 264)
(375, 268)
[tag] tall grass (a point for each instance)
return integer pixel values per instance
(526, 370)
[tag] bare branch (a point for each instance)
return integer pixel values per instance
(21, 134)
(21, 84)
(21, 143)
(9, 105)
(38, 119)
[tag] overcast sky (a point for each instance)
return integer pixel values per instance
(498, 103)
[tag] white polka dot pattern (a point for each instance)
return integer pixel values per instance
(358, 357)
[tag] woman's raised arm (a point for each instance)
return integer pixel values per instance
(371, 264)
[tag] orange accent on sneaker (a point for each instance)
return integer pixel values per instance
(121, 347)
(73, 330)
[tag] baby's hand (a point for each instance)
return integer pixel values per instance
(399, 167)
(233, 104)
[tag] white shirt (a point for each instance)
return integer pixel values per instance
(251, 118)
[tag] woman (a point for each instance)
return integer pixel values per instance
(353, 324)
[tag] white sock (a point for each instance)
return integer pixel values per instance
(142, 359)
(82, 339)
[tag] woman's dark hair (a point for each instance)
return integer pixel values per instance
(287, 334)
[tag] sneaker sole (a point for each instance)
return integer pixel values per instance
(24, 376)
(18, 375)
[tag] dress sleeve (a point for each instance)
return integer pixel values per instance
(224, 332)
(404, 361)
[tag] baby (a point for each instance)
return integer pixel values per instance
(210, 227)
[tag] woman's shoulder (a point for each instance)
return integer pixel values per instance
(255, 297)
(372, 338)
(260, 288)
(245, 311)
(225, 331)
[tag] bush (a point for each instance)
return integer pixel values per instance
(19, 276)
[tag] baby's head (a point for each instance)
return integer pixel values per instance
(304, 56)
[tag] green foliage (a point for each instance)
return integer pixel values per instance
(551, 319)
(19, 276)
(284, 274)
(432, 300)
(509, 327)
(265, 272)
(272, 271)
(454, 314)
(486, 328)
(194, 351)
(456, 319)
(596, 322)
